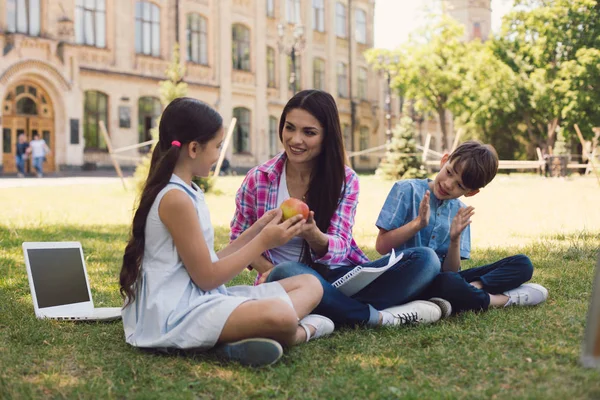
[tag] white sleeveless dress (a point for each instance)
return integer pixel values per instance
(169, 309)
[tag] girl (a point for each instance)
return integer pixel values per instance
(172, 279)
(312, 169)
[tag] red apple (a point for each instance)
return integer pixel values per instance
(292, 207)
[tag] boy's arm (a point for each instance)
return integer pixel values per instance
(461, 220)
(388, 240)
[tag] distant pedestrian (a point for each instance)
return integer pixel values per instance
(39, 150)
(21, 154)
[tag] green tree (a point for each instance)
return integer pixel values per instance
(550, 45)
(401, 160)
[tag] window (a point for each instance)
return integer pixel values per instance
(147, 29)
(271, 79)
(342, 79)
(241, 48)
(319, 74)
(149, 109)
(347, 137)
(241, 136)
(271, 8)
(296, 84)
(292, 11)
(362, 83)
(273, 136)
(6, 141)
(319, 15)
(477, 31)
(95, 109)
(340, 20)
(197, 39)
(26, 106)
(363, 141)
(23, 16)
(361, 26)
(90, 22)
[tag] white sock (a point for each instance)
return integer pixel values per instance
(386, 318)
(510, 300)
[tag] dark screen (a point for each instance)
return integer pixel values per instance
(58, 276)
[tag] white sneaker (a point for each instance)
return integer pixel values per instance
(444, 305)
(255, 352)
(528, 294)
(323, 326)
(415, 312)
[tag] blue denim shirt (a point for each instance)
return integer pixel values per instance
(402, 206)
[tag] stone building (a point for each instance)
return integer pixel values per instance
(66, 65)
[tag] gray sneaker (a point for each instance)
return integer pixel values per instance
(443, 304)
(255, 352)
(415, 312)
(528, 294)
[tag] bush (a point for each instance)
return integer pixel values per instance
(401, 160)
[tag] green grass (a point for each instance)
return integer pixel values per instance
(514, 353)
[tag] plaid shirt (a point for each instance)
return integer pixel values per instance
(258, 194)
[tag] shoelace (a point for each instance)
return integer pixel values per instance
(407, 318)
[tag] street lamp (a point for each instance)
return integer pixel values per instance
(385, 61)
(295, 47)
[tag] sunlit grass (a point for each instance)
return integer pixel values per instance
(516, 353)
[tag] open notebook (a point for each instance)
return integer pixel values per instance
(359, 277)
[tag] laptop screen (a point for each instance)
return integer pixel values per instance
(58, 276)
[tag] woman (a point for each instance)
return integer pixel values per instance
(312, 169)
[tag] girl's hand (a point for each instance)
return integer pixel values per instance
(310, 229)
(276, 234)
(461, 220)
(424, 211)
(267, 217)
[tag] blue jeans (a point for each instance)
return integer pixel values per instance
(37, 164)
(496, 278)
(20, 161)
(401, 283)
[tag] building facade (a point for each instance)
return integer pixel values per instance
(67, 65)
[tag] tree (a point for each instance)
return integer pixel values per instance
(549, 44)
(401, 160)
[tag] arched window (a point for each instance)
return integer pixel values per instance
(149, 109)
(90, 22)
(95, 109)
(340, 20)
(319, 73)
(273, 136)
(147, 28)
(319, 15)
(26, 106)
(241, 47)
(361, 26)
(197, 39)
(241, 136)
(23, 16)
(271, 74)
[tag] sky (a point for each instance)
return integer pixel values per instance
(396, 19)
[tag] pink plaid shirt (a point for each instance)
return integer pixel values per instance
(258, 194)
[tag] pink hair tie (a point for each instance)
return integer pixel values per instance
(176, 143)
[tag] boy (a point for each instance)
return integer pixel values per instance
(422, 212)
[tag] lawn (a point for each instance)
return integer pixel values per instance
(515, 353)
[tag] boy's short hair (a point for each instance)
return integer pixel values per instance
(477, 163)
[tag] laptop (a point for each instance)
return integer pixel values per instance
(59, 283)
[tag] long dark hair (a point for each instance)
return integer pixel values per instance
(328, 177)
(184, 120)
